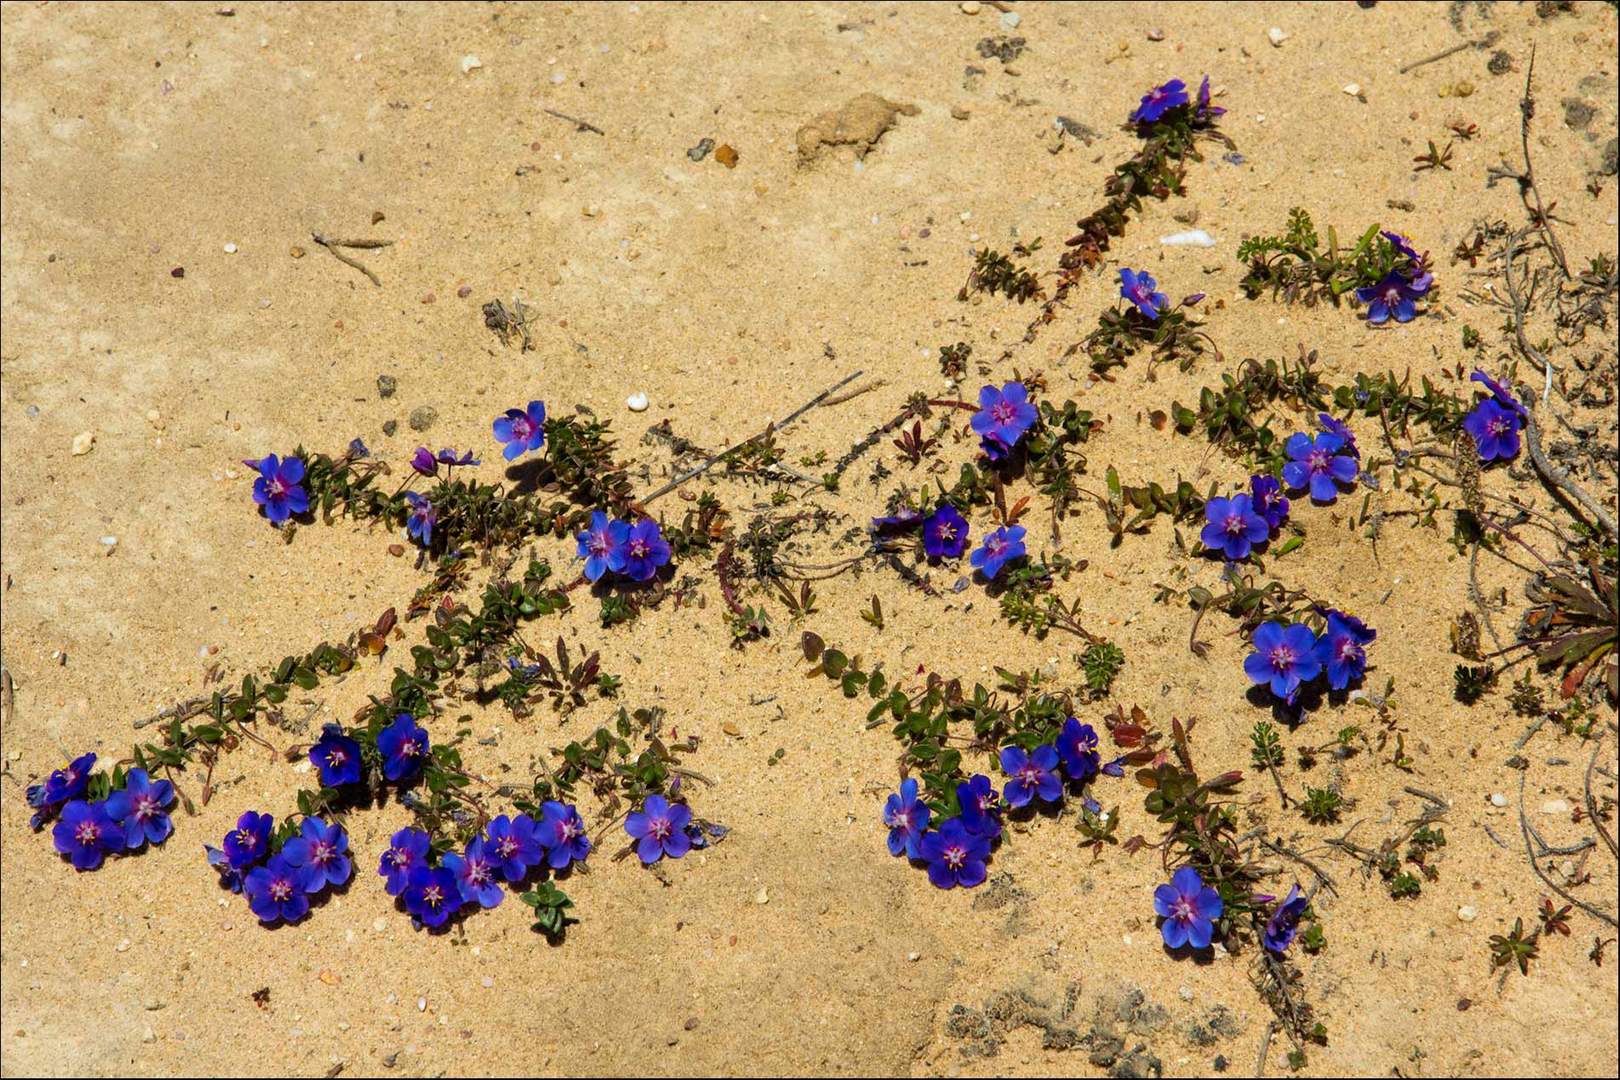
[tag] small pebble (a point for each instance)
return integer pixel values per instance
(1551, 806)
(464, 292)
(423, 417)
(470, 63)
(1277, 36)
(914, 956)
(83, 443)
(1498, 799)
(1010, 20)
(1192, 238)
(1468, 913)
(763, 896)
(230, 249)
(1353, 89)
(636, 402)
(970, 7)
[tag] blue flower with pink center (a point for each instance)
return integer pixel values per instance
(1284, 657)
(323, 849)
(659, 829)
(87, 833)
(562, 833)
(955, 856)
(1234, 528)
(998, 549)
(142, 809)
(907, 818)
(1319, 464)
(407, 851)
(522, 430)
(279, 487)
(1189, 909)
(1160, 100)
(476, 872)
(1034, 775)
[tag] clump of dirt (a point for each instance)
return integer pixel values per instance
(984, 1030)
(860, 122)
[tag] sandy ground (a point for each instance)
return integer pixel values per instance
(140, 139)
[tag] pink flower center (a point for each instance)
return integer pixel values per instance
(280, 889)
(521, 428)
(659, 828)
(433, 896)
(86, 833)
(954, 856)
(1282, 658)
(1318, 461)
(1234, 524)
(1182, 909)
(276, 487)
(507, 847)
(145, 806)
(1003, 412)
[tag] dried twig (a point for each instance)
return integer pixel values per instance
(1527, 109)
(735, 447)
(335, 247)
(1591, 804)
(1529, 851)
(579, 125)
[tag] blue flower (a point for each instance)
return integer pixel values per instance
(907, 818)
(1404, 247)
(562, 832)
(1189, 909)
(521, 430)
(645, 550)
(1003, 417)
(1499, 392)
(955, 856)
(1206, 110)
(1033, 775)
(1138, 287)
(1342, 648)
(1284, 922)
(515, 845)
(87, 833)
(1395, 295)
(249, 841)
(1342, 430)
(447, 457)
(1283, 658)
(422, 518)
(1318, 464)
(1077, 746)
(424, 462)
(407, 851)
(1160, 100)
(981, 806)
(945, 533)
(336, 757)
(71, 781)
(999, 548)
(229, 876)
(278, 890)
(279, 488)
(602, 546)
(1234, 528)
(1495, 430)
(404, 747)
(476, 873)
(1265, 495)
(322, 849)
(897, 524)
(142, 809)
(432, 895)
(659, 829)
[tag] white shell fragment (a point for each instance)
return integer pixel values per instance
(470, 63)
(1192, 238)
(636, 402)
